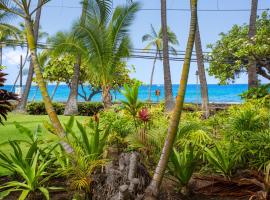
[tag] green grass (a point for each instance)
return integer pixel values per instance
(9, 131)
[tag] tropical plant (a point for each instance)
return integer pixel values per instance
(183, 164)
(256, 93)
(31, 167)
(132, 104)
(155, 40)
(92, 138)
(223, 158)
(5, 97)
(153, 189)
(24, 10)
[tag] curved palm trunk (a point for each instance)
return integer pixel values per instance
(201, 70)
(153, 189)
(252, 69)
(71, 107)
(21, 107)
(41, 83)
(169, 102)
(151, 79)
(106, 97)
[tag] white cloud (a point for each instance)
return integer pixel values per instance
(12, 57)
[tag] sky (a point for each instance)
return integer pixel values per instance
(58, 15)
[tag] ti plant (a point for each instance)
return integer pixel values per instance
(183, 164)
(5, 98)
(132, 104)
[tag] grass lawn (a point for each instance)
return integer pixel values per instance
(9, 131)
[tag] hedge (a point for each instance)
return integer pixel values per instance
(84, 108)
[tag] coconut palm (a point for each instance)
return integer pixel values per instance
(155, 40)
(252, 68)
(25, 10)
(21, 107)
(169, 102)
(103, 41)
(8, 32)
(201, 72)
(153, 189)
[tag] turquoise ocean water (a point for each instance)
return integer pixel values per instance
(217, 93)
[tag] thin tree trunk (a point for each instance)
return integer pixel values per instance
(169, 102)
(17, 78)
(151, 79)
(153, 189)
(252, 69)
(71, 107)
(106, 97)
(41, 83)
(33, 99)
(21, 107)
(55, 89)
(1, 55)
(201, 70)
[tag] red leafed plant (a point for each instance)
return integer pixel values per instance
(5, 97)
(144, 115)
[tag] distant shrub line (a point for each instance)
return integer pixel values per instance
(84, 108)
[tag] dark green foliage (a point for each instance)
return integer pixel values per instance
(85, 109)
(256, 93)
(5, 97)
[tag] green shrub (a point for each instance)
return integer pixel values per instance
(85, 108)
(256, 93)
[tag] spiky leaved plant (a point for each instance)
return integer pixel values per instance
(5, 98)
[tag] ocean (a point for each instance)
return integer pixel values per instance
(217, 93)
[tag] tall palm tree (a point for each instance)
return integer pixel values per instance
(252, 69)
(154, 39)
(8, 33)
(21, 8)
(169, 101)
(201, 72)
(153, 189)
(71, 107)
(21, 107)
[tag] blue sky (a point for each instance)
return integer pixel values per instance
(60, 14)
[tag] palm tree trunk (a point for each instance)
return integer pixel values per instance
(252, 69)
(55, 89)
(153, 189)
(1, 55)
(201, 70)
(71, 107)
(21, 107)
(151, 79)
(41, 83)
(169, 102)
(106, 97)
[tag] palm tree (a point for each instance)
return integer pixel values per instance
(252, 68)
(8, 32)
(201, 72)
(153, 189)
(103, 41)
(71, 107)
(21, 107)
(21, 8)
(154, 39)
(169, 102)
